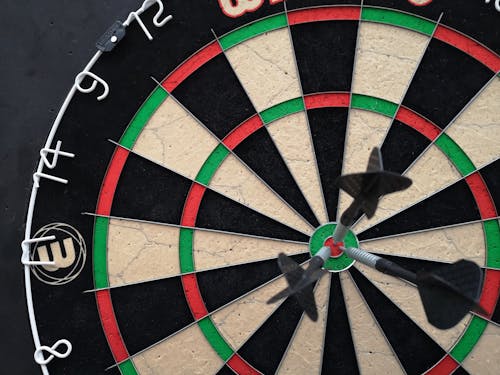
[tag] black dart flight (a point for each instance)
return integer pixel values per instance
(450, 292)
(300, 282)
(366, 188)
(447, 293)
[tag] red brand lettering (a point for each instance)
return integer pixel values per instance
(237, 8)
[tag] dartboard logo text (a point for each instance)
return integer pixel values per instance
(237, 8)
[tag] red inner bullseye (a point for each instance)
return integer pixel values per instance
(334, 247)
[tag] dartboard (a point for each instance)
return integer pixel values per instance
(205, 138)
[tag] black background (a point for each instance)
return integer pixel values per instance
(43, 45)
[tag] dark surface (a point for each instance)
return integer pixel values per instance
(446, 80)
(226, 370)
(325, 54)
(328, 128)
(135, 199)
(43, 47)
(260, 153)
(220, 213)
(220, 104)
(496, 314)
(84, 130)
(438, 210)
(460, 371)
(150, 312)
(339, 356)
(402, 146)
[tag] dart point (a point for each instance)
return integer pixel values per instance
(334, 247)
(338, 260)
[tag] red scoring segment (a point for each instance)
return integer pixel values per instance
(419, 123)
(444, 367)
(192, 206)
(110, 326)
(482, 196)
(240, 366)
(443, 33)
(111, 180)
(196, 304)
(324, 14)
(240, 133)
(489, 295)
(192, 64)
(469, 46)
(329, 99)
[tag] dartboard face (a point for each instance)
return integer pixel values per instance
(215, 146)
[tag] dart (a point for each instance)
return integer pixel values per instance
(447, 293)
(300, 281)
(366, 189)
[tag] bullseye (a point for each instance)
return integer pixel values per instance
(334, 247)
(338, 260)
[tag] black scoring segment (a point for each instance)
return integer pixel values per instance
(453, 205)
(261, 154)
(490, 175)
(266, 348)
(406, 338)
(325, 54)
(402, 146)
(328, 128)
(220, 213)
(446, 80)
(214, 95)
(149, 312)
(221, 286)
(414, 264)
(148, 191)
(226, 370)
(136, 199)
(339, 355)
(496, 314)
(460, 371)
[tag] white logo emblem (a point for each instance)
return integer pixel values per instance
(67, 251)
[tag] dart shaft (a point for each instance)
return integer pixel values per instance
(361, 256)
(350, 215)
(380, 264)
(393, 269)
(323, 253)
(340, 232)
